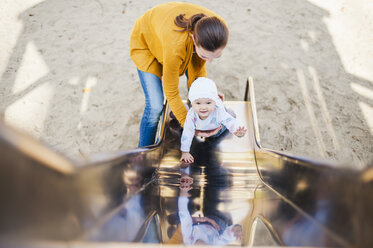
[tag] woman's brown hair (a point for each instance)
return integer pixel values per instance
(209, 32)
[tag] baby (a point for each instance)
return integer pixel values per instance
(203, 230)
(207, 113)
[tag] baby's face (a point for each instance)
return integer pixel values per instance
(203, 107)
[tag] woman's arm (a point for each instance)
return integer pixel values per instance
(207, 133)
(172, 61)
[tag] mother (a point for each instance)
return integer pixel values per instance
(168, 41)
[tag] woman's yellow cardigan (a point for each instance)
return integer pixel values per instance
(157, 47)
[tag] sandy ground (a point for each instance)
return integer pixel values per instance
(68, 80)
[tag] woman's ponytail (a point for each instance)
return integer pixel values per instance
(210, 33)
(187, 24)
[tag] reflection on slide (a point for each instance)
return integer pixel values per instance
(211, 229)
(235, 193)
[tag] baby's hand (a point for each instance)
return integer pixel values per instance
(186, 157)
(185, 185)
(186, 180)
(240, 132)
(184, 189)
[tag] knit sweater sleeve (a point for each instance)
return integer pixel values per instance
(196, 69)
(202, 72)
(171, 66)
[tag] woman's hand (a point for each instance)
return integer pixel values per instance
(221, 96)
(206, 219)
(207, 133)
(240, 132)
(186, 157)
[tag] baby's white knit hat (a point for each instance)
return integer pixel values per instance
(203, 88)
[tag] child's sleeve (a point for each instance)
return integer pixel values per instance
(188, 133)
(186, 221)
(228, 120)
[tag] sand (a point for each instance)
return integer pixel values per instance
(67, 78)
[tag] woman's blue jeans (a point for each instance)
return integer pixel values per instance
(154, 99)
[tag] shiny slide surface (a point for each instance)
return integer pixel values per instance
(236, 193)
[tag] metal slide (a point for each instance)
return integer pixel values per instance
(135, 197)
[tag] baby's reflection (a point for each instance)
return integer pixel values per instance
(202, 230)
